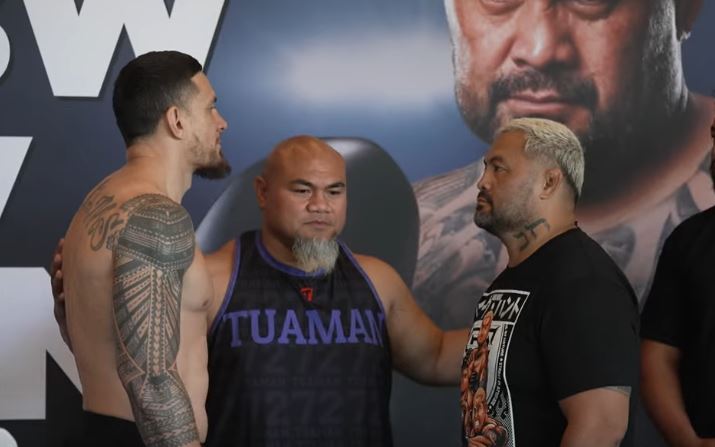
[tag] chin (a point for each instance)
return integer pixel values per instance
(324, 235)
(218, 170)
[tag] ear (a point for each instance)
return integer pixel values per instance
(686, 12)
(552, 180)
(175, 122)
(260, 185)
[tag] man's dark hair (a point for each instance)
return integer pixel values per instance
(147, 86)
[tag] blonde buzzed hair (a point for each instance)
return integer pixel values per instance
(553, 143)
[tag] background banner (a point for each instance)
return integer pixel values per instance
(378, 78)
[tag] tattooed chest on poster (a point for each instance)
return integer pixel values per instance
(102, 219)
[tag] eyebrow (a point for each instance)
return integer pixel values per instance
(497, 158)
(338, 184)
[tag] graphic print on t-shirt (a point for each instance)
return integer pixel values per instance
(487, 418)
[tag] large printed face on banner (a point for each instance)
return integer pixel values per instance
(611, 71)
(606, 69)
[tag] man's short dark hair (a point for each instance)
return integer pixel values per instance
(147, 86)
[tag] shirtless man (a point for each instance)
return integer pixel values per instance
(136, 286)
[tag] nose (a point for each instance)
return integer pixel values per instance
(543, 37)
(484, 183)
(222, 123)
(318, 203)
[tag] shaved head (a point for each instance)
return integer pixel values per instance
(302, 196)
(296, 149)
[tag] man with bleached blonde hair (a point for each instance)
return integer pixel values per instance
(560, 360)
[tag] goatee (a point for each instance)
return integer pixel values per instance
(313, 254)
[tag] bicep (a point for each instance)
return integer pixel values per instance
(151, 255)
(414, 338)
(604, 408)
(659, 369)
(656, 355)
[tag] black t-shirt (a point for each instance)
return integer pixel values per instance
(298, 359)
(680, 311)
(563, 321)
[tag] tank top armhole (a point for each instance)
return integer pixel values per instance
(229, 289)
(359, 268)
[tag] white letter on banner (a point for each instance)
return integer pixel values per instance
(12, 154)
(27, 331)
(76, 48)
(4, 51)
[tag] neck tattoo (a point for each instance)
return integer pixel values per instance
(529, 232)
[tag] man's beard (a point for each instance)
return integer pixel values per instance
(485, 121)
(619, 143)
(512, 216)
(712, 166)
(313, 254)
(217, 169)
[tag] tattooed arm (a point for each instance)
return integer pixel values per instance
(151, 254)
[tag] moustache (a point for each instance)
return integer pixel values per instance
(485, 196)
(568, 86)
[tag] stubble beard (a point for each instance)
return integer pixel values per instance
(216, 167)
(512, 216)
(618, 142)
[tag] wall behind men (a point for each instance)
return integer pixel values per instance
(371, 69)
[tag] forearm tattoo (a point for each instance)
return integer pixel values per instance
(152, 253)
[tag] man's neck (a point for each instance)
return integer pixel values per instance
(166, 171)
(525, 241)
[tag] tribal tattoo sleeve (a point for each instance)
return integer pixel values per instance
(151, 255)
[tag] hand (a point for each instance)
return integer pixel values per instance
(58, 294)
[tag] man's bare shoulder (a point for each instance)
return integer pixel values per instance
(220, 262)
(372, 265)
(219, 265)
(388, 283)
(107, 208)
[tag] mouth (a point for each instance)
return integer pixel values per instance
(541, 102)
(482, 203)
(319, 224)
(483, 197)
